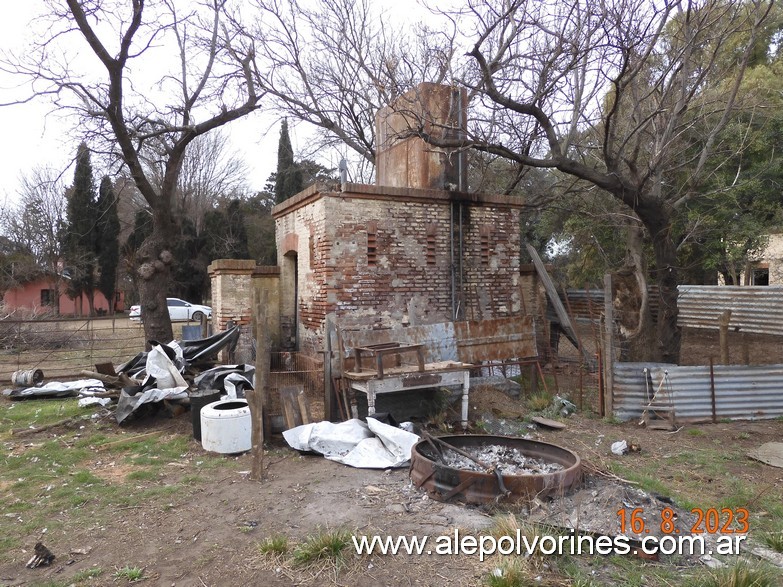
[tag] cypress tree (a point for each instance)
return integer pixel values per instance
(107, 244)
(288, 179)
(237, 233)
(80, 233)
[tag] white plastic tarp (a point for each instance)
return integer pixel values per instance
(163, 374)
(64, 388)
(374, 445)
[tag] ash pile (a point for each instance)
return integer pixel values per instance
(507, 460)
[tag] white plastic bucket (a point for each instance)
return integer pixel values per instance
(226, 426)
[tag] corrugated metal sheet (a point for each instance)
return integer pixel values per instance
(741, 392)
(753, 309)
(756, 309)
(631, 388)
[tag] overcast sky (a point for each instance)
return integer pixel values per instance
(32, 134)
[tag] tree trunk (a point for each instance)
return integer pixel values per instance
(91, 301)
(154, 259)
(669, 334)
(631, 285)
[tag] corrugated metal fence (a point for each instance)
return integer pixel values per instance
(734, 392)
(756, 309)
(699, 393)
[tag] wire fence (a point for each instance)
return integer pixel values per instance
(65, 347)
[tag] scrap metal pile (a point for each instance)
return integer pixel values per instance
(166, 373)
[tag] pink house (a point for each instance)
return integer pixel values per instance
(38, 296)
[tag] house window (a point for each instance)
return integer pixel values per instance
(47, 297)
(760, 276)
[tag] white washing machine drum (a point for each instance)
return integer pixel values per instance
(226, 426)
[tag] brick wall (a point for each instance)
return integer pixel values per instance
(231, 291)
(233, 283)
(382, 257)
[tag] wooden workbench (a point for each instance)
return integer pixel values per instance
(421, 376)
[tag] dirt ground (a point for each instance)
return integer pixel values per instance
(208, 534)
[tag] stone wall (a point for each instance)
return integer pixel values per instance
(772, 259)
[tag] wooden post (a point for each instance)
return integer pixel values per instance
(257, 396)
(330, 414)
(204, 326)
(745, 349)
(608, 353)
(557, 305)
(723, 323)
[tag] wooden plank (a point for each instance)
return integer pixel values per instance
(291, 412)
(256, 398)
(609, 351)
(304, 406)
(330, 409)
(547, 423)
(554, 298)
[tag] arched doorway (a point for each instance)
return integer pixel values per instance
(289, 301)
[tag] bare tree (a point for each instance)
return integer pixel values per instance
(335, 63)
(167, 77)
(629, 96)
(210, 171)
(35, 224)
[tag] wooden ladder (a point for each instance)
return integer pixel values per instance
(659, 413)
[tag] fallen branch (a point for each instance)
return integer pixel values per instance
(121, 380)
(130, 439)
(603, 473)
(28, 431)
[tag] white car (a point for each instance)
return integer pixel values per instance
(178, 310)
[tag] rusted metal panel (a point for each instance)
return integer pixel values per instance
(439, 339)
(496, 340)
(444, 483)
(470, 342)
(741, 392)
(753, 309)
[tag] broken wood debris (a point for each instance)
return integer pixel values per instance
(42, 557)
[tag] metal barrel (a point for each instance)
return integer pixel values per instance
(27, 377)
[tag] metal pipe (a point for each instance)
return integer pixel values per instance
(712, 392)
(460, 135)
(461, 272)
(451, 263)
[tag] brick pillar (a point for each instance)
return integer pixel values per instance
(268, 279)
(232, 291)
(232, 299)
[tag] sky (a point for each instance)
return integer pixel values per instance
(35, 135)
